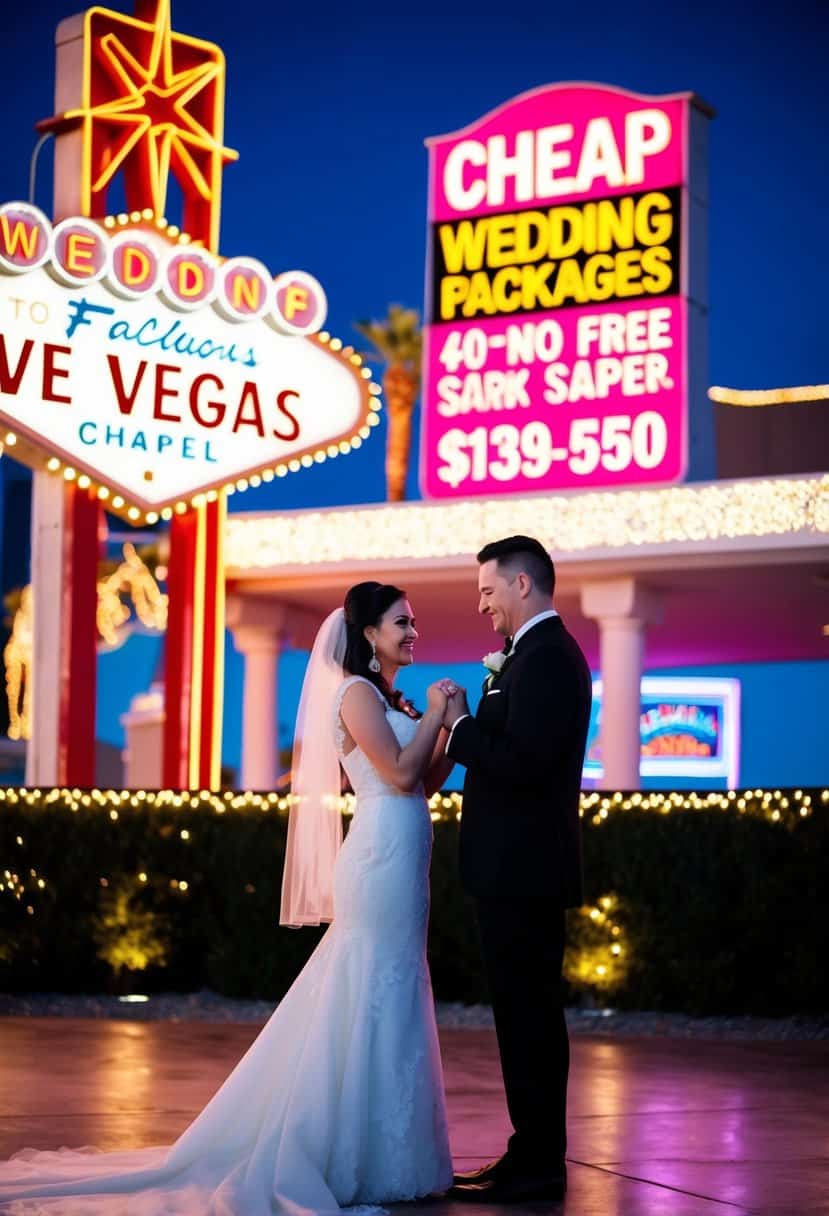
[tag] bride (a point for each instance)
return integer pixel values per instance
(340, 1099)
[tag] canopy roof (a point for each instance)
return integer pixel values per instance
(742, 566)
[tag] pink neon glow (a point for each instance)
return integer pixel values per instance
(668, 403)
(553, 105)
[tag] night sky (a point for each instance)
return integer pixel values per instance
(329, 106)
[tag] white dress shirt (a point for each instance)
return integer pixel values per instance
(519, 633)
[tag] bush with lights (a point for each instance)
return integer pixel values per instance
(706, 903)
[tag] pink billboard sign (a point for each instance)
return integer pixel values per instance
(555, 353)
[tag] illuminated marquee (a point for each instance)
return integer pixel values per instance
(689, 727)
(556, 343)
(158, 372)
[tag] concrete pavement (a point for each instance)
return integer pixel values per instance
(658, 1127)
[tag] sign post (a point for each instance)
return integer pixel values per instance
(66, 522)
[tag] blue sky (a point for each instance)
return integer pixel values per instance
(329, 106)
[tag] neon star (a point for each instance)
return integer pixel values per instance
(152, 104)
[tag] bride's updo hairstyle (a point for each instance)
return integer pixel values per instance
(366, 604)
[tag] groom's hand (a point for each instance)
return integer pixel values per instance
(457, 707)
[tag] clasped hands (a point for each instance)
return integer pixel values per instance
(450, 698)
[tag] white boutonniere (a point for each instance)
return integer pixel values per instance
(494, 661)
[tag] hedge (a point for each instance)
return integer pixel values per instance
(700, 903)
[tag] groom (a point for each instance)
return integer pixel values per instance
(520, 854)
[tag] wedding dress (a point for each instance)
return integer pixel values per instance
(340, 1099)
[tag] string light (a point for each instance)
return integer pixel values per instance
(784, 807)
(692, 513)
(599, 960)
(598, 955)
(768, 396)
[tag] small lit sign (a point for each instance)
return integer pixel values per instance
(158, 371)
(689, 727)
(556, 344)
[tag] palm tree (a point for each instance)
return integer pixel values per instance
(398, 342)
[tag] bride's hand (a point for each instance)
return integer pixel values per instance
(437, 695)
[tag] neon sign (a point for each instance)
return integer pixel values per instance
(556, 343)
(689, 727)
(151, 104)
(158, 372)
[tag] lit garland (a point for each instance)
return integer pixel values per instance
(17, 658)
(783, 807)
(21, 883)
(599, 957)
(768, 396)
(128, 935)
(132, 577)
(565, 524)
(776, 806)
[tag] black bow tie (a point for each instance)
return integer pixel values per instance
(507, 646)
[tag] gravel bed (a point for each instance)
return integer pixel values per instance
(208, 1006)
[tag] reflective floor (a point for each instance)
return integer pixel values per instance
(657, 1127)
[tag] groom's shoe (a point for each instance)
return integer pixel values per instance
(511, 1188)
(487, 1173)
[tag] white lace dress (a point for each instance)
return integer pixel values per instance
(340, 1099)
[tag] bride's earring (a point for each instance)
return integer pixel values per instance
(374, 662)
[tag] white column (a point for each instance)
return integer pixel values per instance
(260, 742)
(143, 725)
(260, 630)
(623, 608)
(621, 649)
(47, 601)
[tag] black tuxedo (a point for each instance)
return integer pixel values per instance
(520, 856)
(523, 753)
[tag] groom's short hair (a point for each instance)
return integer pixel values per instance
(517, 554)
